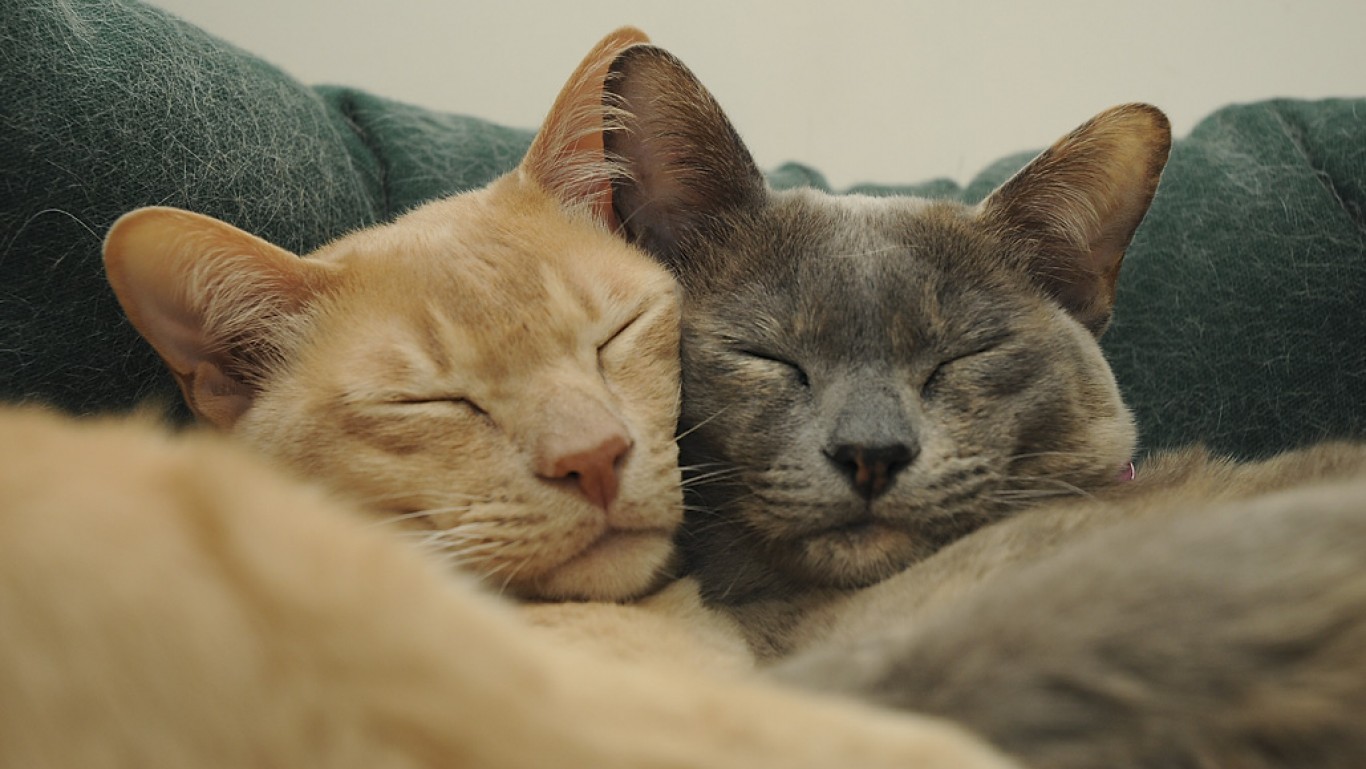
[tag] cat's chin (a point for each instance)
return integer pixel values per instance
(852, 556)
(619, 566)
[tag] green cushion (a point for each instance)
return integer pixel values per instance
(1239, 320)
(111, 105)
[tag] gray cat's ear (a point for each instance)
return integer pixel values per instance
(567, 159)
(212, 300)
(1076, 206)
(685, 166)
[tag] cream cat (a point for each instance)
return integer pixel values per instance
(496, 372)
(171, 601)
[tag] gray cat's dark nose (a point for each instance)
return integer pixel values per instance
(871, 469)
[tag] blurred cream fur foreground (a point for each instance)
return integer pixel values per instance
(168, 600)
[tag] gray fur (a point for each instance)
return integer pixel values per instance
(1186, 637)
(869, 383)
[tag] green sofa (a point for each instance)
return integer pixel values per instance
(1240, 320)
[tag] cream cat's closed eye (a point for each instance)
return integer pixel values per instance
(617, 349)
(460, 402)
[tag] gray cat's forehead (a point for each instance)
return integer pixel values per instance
(849, 212)
(880, 243)
(870, 206)
(845, 272)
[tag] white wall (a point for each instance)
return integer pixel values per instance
(865, 91)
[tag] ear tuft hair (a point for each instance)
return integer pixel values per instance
(567, 157)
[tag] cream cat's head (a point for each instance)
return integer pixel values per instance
(497, 370)
(866, 379)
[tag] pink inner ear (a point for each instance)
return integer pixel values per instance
(174, 272)
(595, 189)
(149, 255)
(215, 397)
(177, 337)
(602, 207)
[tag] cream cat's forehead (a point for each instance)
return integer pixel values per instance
(414, 317)
(506, 239)
(503, 281)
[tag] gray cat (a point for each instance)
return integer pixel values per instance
(869, 383)
(869, 379)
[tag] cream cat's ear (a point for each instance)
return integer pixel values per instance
(686, 168)
(567, 158)
(212, 300)
(1076, 206)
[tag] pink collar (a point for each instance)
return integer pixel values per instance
(1126, 473)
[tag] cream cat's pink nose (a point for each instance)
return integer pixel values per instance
(592, 465)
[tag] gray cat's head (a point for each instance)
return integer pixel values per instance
(867, 379)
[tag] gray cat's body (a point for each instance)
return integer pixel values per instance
(1141, 633)
(869, 383)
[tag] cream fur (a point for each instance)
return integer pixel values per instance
(181, 604)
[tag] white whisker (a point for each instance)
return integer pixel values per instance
(711, 477)
(703, 423)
